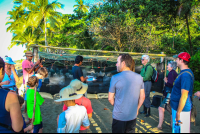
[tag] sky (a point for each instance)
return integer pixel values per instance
(16, 53)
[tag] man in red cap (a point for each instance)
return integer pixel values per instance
(181, 95)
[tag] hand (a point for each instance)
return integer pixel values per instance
(13, 67)
(86, 78)
(165, 79)
(38, 62)
(197, 94)
(6, 82)
(177, 117)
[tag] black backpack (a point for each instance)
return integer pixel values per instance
(155, 75)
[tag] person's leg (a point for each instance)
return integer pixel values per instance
(185, 119)
(130, 126)
(118, 126)
(147, 102)
(161, 116)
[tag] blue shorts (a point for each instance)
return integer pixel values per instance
(36, 128)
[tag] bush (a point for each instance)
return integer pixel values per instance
(194, 65)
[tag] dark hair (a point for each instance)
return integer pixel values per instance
(184, 61)
(78, 59)
(43, 71)
(127, 59)
(32, 81)
(2, 63)
(21, 100)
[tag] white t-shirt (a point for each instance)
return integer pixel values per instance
(71, 120)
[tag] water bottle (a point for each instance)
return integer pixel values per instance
(177, 127)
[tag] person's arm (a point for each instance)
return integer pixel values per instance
(30, 70)
(12, 105)
(111, 98)
(83, 79)
(186, 84)
(170, 80)
(148, 73)
(5, 83)
(182, 101)
(28, 128)
(15, 73)
(197, 94)
(87, 127)
(86, 123)
(90, 115)
(111, 93)
(141, 99)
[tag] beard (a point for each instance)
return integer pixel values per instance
(118, 68)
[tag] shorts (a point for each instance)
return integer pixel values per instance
(36, 128)
(166, 106)
(123, 126)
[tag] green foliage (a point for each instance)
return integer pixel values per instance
(147, 26)
(194, 65)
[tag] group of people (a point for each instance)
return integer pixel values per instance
(127, 93)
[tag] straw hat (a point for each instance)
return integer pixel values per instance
(79, 87)
(68, 93)
(28, 53)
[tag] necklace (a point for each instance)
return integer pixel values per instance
(9, 74)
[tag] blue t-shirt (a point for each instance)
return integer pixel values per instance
(11, 79)
(39, 84)
(184, 81)
(126, 86)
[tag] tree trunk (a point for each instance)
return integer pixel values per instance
(189, 37)
(46, 44)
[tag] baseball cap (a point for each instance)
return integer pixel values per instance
(8, 60)
(185, 56)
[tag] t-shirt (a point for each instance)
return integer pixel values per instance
(11, 79)
(77, 72)
(82, 102)
(71, 120)
(30, 104)
(126, 86)
(26, 75)
(184, 81)
(39, 84)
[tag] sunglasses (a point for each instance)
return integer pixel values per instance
(142, 59)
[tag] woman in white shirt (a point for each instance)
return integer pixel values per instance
(11, 75)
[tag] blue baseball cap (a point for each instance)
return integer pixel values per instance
(8, 60)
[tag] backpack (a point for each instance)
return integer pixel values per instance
(155, 75)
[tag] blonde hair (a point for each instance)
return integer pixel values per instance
(43, 71)
(32, 81)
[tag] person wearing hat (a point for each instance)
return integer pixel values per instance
(181, 94)
(81, 88)
(11, 120)
(28, 70)
(11, 75)
(28, 66)
(75, 116)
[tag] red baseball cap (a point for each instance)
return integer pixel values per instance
(185, 56)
